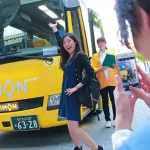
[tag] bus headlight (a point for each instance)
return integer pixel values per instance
(53, 102)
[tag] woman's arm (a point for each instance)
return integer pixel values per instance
(83, 63)
(57, 35)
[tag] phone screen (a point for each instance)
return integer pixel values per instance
(128, 73)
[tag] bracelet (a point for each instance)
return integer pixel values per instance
(77, 87)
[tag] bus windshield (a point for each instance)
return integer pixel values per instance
(27, 30)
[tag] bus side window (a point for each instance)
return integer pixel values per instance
(52, 38)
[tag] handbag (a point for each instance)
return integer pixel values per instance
(89, 94)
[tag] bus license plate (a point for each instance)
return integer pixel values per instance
(25, 123)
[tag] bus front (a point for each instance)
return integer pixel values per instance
(30, 77)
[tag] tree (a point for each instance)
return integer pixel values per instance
(140, 57)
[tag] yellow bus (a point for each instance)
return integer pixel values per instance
(30, 77)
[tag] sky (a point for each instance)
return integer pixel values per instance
(105, 9)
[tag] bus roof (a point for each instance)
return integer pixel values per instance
(25, 15)
(9, 10)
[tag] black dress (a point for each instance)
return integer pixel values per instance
(69, 105)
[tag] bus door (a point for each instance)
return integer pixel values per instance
(75, 24)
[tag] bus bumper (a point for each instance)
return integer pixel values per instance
(45, 118)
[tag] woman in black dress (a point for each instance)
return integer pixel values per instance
(69, 104)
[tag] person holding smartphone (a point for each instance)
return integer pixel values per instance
(133, 14)
(106, 77)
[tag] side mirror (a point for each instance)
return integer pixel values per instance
(71, 4)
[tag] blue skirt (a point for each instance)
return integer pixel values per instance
(69, 105)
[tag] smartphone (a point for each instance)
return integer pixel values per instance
(127, 68)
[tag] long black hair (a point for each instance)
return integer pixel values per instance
(64, 54)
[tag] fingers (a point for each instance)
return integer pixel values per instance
(140, 93)
(119, 85)
(145, 79)
(68, 92)
(133, 98)
(49, 24)
(105, 67)
(144, 87)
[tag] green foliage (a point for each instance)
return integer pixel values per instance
(101, 29)
(140, 57)
(97, 22)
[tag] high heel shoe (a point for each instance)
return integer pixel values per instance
(77, 148)
(100, 147)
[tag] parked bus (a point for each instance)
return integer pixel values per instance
(30, 76)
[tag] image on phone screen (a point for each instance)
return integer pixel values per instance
(128, 73)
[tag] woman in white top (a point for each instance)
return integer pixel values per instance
(106, 77)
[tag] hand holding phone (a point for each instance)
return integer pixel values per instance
(128, 70)
(104, 68)
(115, 65)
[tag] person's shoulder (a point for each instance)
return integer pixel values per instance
(81, 54)
(81, 57)
(95, 55)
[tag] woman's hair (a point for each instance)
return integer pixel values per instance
(102, 39)
(64, 54)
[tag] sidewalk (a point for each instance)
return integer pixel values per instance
(102, 136)
(58, 138)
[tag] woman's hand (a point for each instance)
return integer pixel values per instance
(115, 66)
(53, 26)
(70, 91)
(144, 92)
(104, 68)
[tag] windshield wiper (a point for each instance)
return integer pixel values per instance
(10, 53)
(33, 57)
(48, 58)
